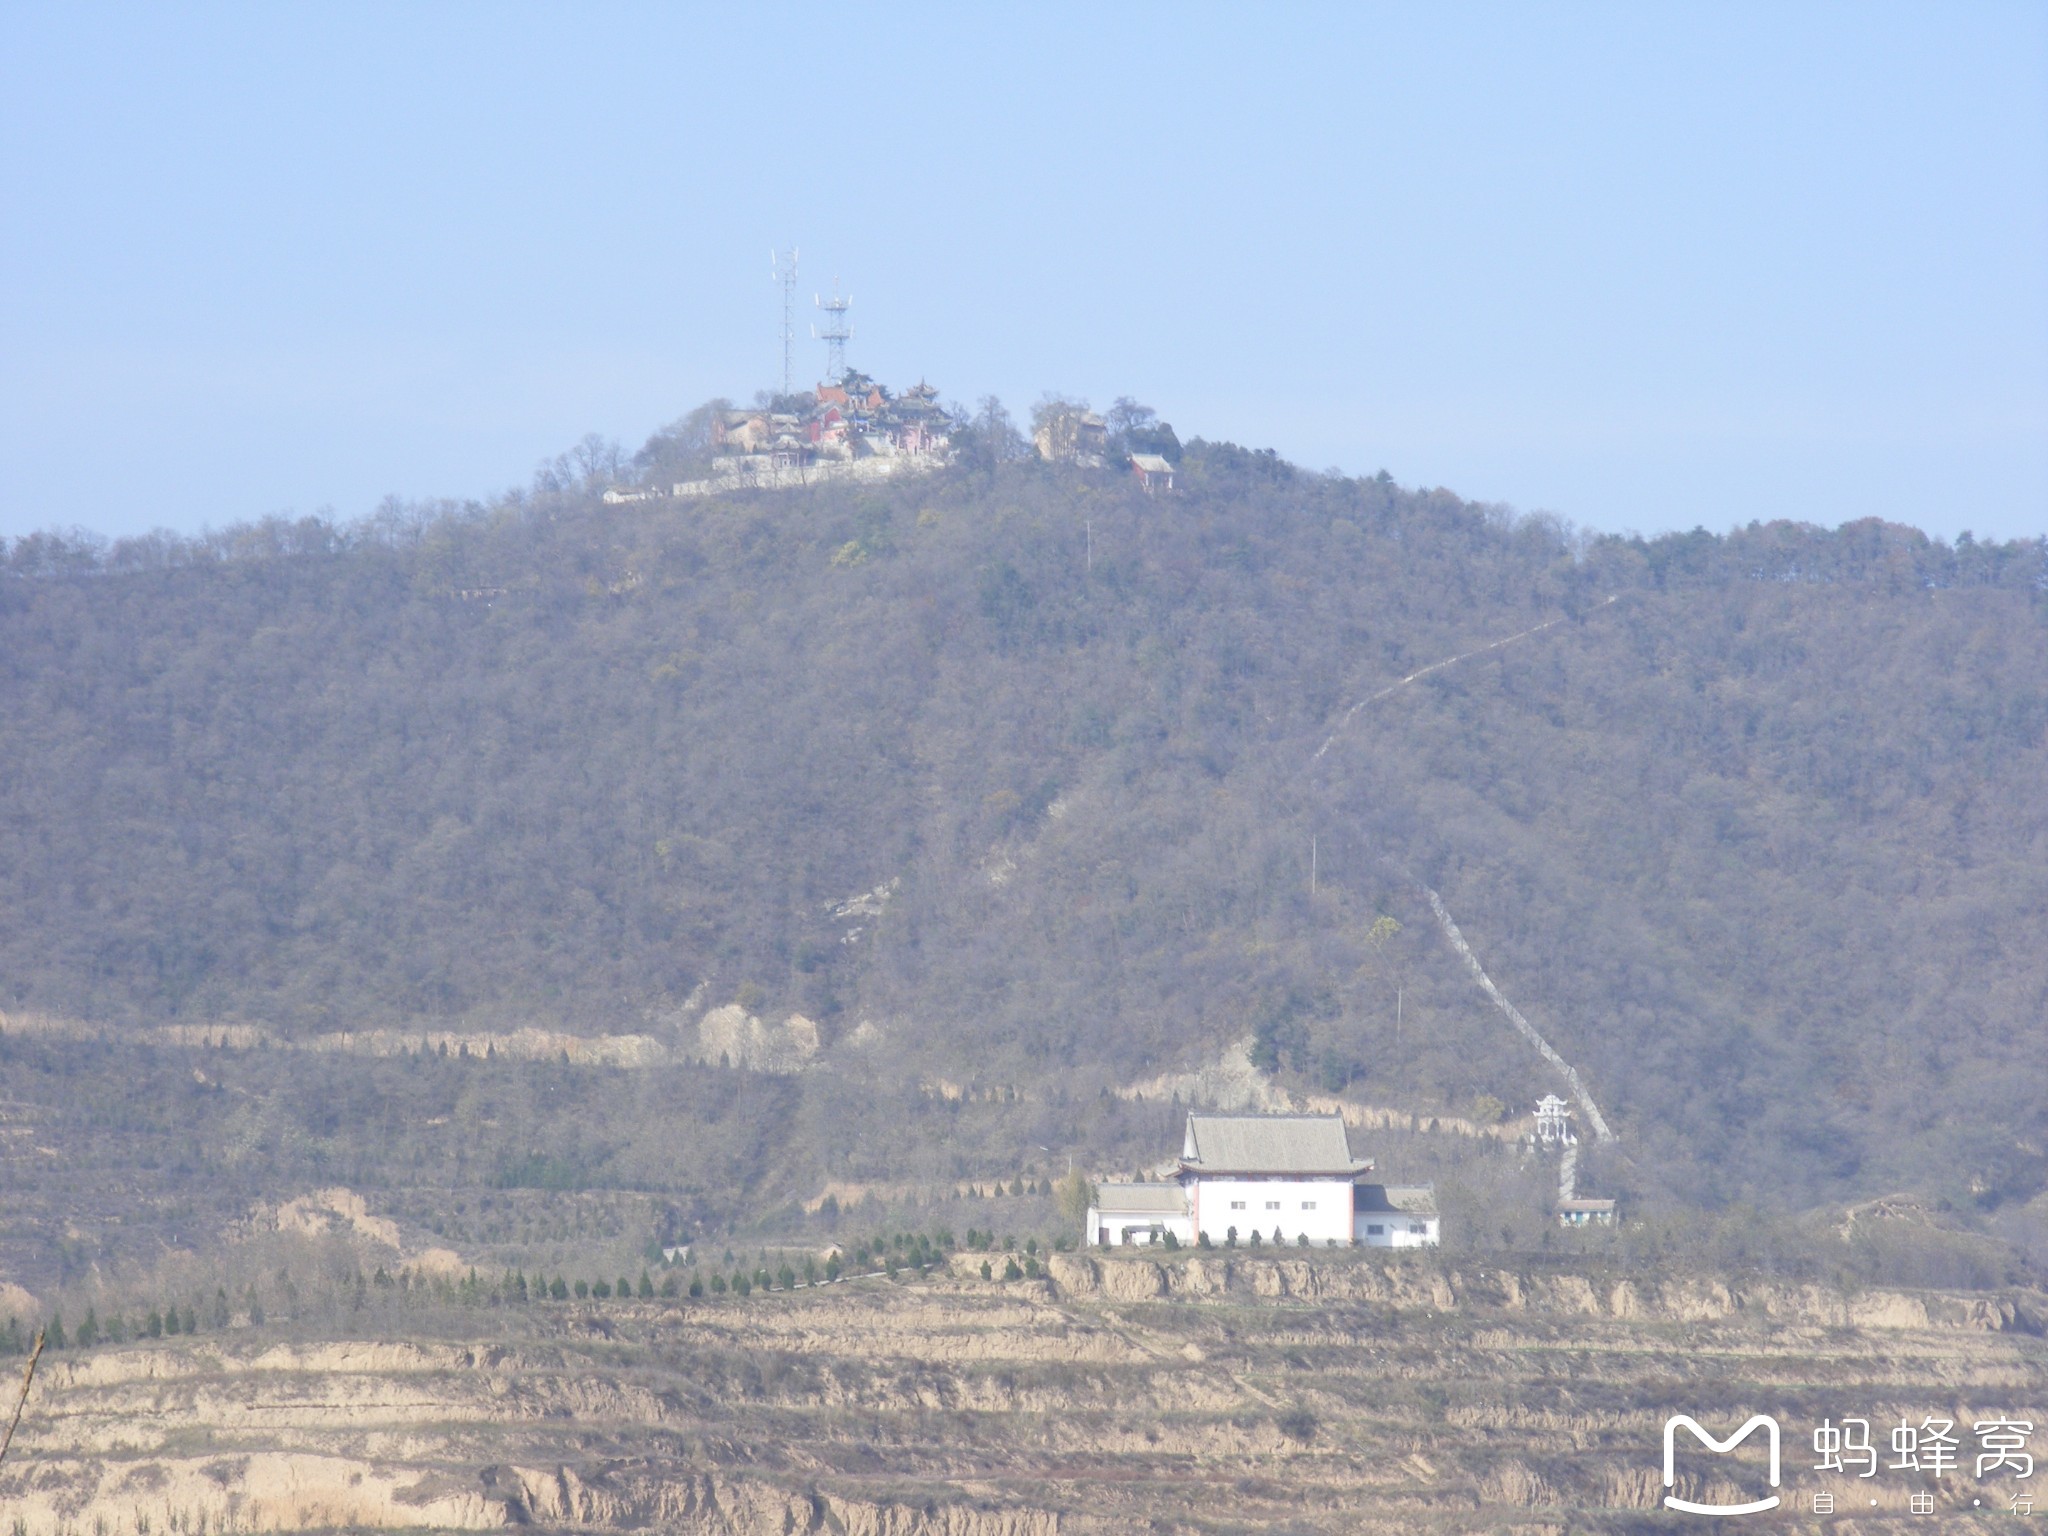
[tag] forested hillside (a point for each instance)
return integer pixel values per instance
(1761, 844)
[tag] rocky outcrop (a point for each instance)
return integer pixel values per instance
(260, 1491)
(731, 1036)
(328, 1211)
(518, 1045)
(1417, 1284)
(17, 1304)
(1116, 1279)
(526, 1044)
(1228, 1082)
(1232, 1082)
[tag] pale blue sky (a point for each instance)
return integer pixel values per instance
(1644, 266)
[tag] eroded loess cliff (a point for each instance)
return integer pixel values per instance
(1213, 1393)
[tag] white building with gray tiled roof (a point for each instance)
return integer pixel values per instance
(1395, 1215)
(1285, 1177)
(1138, 1213)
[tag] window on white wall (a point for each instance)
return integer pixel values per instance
(1375, 1231)
(1308, 1205)
(1237, 1205)
(1272, 1205)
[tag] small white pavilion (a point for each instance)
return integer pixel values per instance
(1553, 1122)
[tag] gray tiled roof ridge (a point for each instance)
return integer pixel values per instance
(1282, 1143)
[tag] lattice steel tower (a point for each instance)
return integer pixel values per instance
(837, 331)
(783, 265)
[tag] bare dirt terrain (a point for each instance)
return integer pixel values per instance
(1208, 1393)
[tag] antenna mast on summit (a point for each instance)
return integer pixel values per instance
(836, 333)
(783, 265)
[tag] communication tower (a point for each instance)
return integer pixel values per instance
(783, 265)
(835, 333)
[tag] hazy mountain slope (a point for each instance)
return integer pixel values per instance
(1760, 846)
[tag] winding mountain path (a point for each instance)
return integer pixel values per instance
(1522, 1026)
(1435, 666)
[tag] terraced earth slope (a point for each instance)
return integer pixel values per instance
(1211, 1393)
